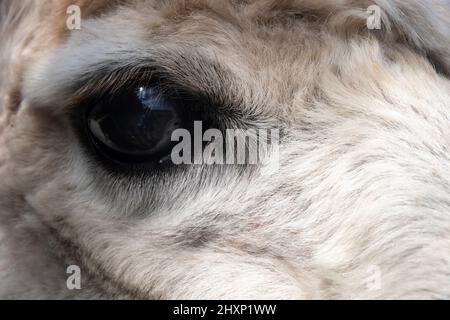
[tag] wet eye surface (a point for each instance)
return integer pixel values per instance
(136, 126)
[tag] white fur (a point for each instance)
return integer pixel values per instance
(364, 178)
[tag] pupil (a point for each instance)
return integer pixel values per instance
(138, 123)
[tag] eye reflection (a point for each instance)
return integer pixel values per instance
(136, 125)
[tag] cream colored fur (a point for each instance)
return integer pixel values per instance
(364, 178)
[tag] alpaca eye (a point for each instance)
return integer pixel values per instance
(134, 126)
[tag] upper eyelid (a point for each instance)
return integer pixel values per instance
(108, 82)
(101, 83)
(91, 90)
(60, 75)
(58, 83)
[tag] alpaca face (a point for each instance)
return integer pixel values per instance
(349, 199)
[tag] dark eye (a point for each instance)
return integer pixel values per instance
(136, 125)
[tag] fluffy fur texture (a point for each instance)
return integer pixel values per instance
(364, 177)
